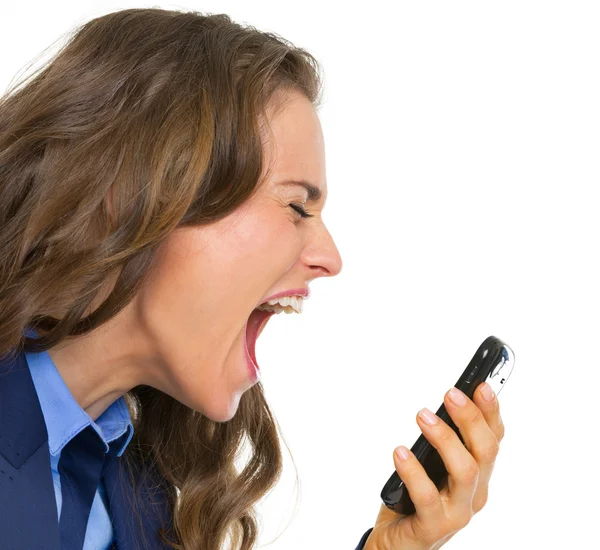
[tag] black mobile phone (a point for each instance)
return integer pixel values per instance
(492, 363)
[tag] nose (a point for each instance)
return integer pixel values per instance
(322, 256)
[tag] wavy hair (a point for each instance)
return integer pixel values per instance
(145, 121)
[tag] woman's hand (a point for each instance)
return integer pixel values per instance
(440, 514)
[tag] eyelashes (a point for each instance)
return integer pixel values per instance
(298, 208)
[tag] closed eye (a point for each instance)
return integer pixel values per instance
(298, 208)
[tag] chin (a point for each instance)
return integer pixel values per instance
(219, 406)
(227, 411)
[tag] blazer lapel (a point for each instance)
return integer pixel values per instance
(28, 515)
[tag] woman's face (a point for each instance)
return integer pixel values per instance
(207, 280)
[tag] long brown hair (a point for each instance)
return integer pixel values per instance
(164, 109)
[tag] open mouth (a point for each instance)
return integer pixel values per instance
(255, 325)
(260, 316)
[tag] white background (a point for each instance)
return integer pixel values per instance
(462, 144)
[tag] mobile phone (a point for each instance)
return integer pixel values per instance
(492, 363)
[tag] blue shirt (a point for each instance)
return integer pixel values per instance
(64, 419)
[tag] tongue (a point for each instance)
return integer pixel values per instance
(256, 319)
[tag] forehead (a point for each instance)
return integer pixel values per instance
(294, 148)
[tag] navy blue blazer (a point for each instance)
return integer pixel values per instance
(28, 515)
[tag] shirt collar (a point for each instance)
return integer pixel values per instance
(64, 416)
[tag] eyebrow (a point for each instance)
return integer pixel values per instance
(314, 193)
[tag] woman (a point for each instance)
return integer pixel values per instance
(161, 181)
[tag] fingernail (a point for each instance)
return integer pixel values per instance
(402, 452)
(427, 416)
(457, 397)
(487, 392)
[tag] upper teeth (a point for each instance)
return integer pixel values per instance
(288, 304)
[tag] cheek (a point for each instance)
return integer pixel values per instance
(225, 265)
(282, 249)
(221, 267)
(269, 248)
